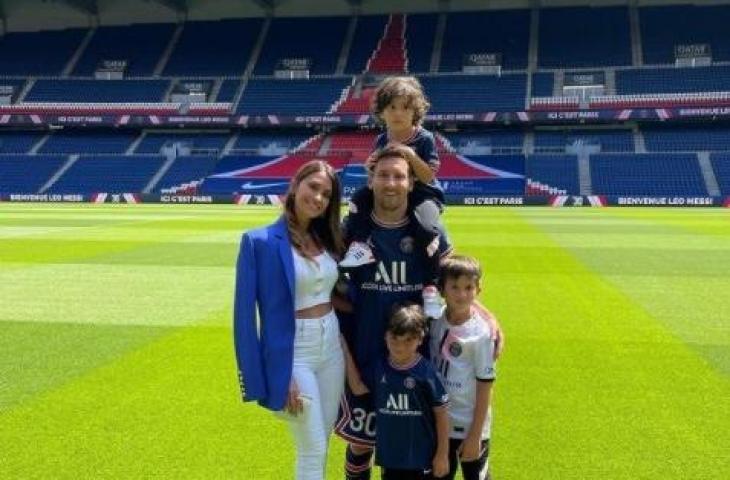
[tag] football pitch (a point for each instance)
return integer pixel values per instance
(116, 358)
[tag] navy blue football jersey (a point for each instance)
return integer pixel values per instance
(405, 398)
(398, 276)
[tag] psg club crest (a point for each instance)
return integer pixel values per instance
(409, 383)
(406, 245)
(455, 349)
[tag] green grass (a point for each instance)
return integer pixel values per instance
(116, 358)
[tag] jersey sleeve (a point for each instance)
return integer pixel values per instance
(444, 248)
(437, 395)
(484, 357)
(380, 141)
(428, 152)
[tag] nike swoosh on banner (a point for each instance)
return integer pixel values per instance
(252, 186)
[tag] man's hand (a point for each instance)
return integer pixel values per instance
(441, 464)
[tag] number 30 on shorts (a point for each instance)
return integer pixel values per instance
(363, 422)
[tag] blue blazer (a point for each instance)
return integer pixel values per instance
(265, 346)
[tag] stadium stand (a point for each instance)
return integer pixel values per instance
(231, 40)
(721, 169)
(108, 91)
(370, 29)
(27, 173)
(205, 143)
(420, 38)
(84, 142)
(505, 32)
(584, 37)
(292, 38)
(108, 173)
(18, 142)
(38, 53)
(140, 45)
(552, 174)
(291, 97)
(217, 52)
(604, 140)
(663, 28)
(646, 174)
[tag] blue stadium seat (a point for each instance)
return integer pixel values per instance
(542, 84)
(317, 38)
(558, 171)
(369, 30)
(18, 142)
(662, 28)
(687, 138)
(291, 97)
(140, 45)
(88, 142)
(673, 80)
(584, 37)
(109, 174)
(475, 93)
(214, 48)
(420, 37)
(38, 53)
(111, 91)
(204, 142)
(721, 168)
(609, 140)
(646, 174)
(27, 173)
(495, 31)
(186, 169)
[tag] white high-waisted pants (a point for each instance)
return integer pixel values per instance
(319, 371)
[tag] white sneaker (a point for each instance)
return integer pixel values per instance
(357, 255)
(432, 306)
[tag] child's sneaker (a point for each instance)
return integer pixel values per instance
(357, 255)
(431, 302)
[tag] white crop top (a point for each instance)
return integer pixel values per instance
(314, 279)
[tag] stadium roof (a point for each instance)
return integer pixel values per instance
(29, 15)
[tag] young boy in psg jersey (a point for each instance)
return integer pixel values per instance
(410, 402)
(462, 351)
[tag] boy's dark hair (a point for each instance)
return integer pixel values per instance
(407, 87)
(407, 319)
(456, 266)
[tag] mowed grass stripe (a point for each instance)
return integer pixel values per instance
(114, 294)
(169, 410)
(591, 384)
(37, 357)
(683, 289)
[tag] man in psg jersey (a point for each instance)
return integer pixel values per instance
(398, 276)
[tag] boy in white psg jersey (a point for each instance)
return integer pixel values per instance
(462, 351)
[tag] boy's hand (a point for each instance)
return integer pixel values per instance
(470, 449)
(441, 464)
(406, 149)
(369, 161)
(357, 387)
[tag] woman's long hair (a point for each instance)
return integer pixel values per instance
(325, 229)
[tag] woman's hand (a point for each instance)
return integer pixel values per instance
(294, 405)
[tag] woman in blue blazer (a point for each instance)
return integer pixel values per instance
(289, 355)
